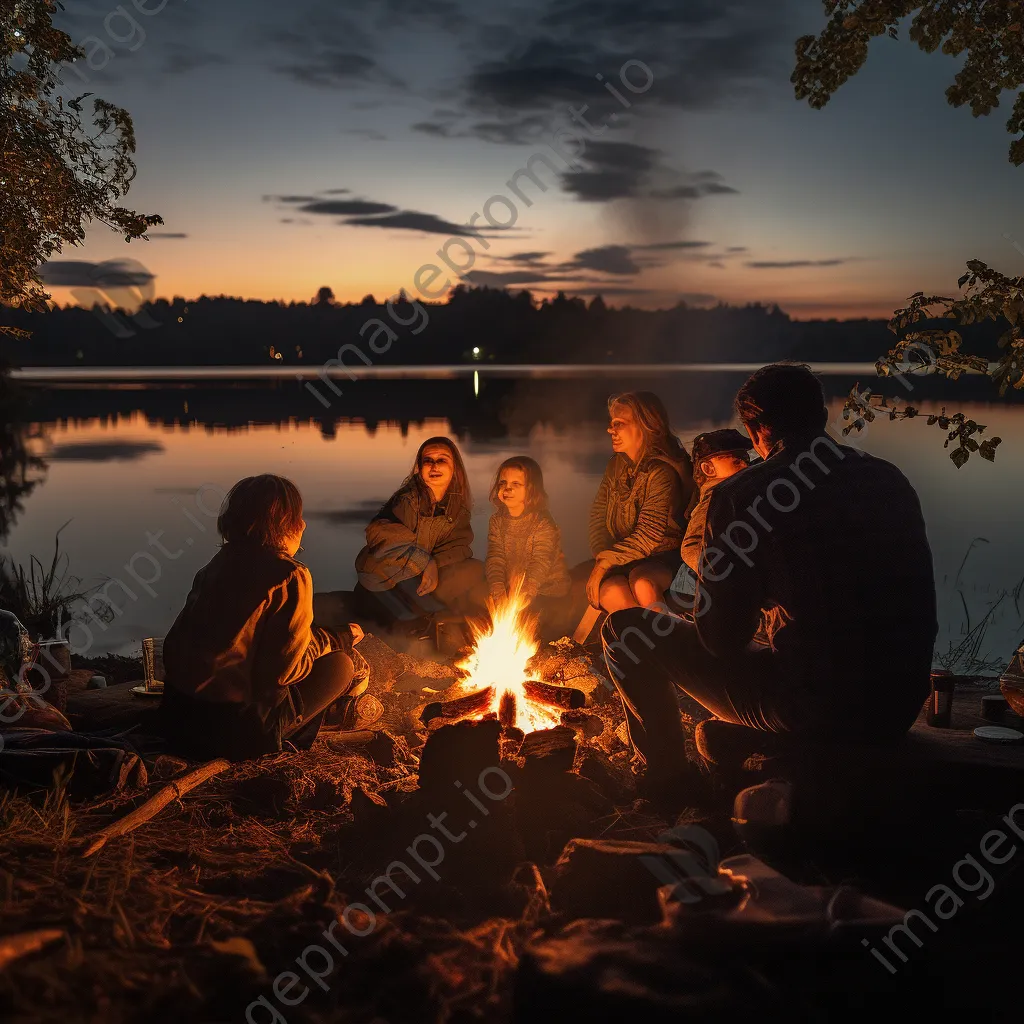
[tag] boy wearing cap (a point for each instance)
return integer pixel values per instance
(717, 455)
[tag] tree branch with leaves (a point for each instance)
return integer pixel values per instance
(989, 35)
(67, 161)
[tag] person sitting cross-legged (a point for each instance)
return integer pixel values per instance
(246, 669)
(825, 543)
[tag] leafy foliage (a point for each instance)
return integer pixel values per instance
(926, 341)
(63, 166)
(988, 34)
(863, 407)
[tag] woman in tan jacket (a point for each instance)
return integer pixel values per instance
(637, 520)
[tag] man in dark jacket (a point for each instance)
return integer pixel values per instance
(825, 543)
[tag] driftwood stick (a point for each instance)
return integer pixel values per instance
(171, 792)
(555, 696)
(13, 947)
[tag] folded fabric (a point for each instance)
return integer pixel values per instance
(89, 765)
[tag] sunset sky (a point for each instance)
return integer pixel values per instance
(294, 145)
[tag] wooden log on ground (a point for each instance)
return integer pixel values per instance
(155, 804)
(14, 947)
(549, 751)
(461, 707)
(555, 696)
(458, 754)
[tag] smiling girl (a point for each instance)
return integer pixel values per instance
(418, 559)
(524, 543)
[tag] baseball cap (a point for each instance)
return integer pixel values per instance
(720, 442)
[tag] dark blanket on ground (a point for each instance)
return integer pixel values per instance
(91, 763)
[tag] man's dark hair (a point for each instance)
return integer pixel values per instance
(783, 399)
(264, 510)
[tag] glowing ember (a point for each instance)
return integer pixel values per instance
(500, 654)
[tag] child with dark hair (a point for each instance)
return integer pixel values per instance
(524, 545)
(418, 558)
(245, 668)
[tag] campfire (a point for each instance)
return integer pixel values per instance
(496, 674)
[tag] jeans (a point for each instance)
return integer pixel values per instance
(460, 588)
(206, 729)
(649, 654)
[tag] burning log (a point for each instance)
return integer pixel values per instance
(507, 709)
(461, 707)
(555, 696)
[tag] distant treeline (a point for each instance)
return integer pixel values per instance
(504, 327)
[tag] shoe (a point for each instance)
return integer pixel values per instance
(351, 714)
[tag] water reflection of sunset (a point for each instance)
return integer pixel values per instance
(126, 483)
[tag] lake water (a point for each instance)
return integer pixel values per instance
(137, 466)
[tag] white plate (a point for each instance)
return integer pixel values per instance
(998, 734)
(141, 691)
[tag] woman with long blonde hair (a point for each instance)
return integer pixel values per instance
(637, 520)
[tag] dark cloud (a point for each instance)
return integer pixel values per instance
(664, 246)
(498, 279)
(614, 15)
(509, 131)
(606, 259)
(526, 259)
(613, 170)
(794, 264)
(541, 74)
(167, 234)
(82, 274)
(368, 213)
(438, 128)
(411, 220)
(736, 248)
(330, 68)
(347, 208)
(700, 53)
(679, 192)
(627, 170)
(104, 451)
(714, 188)
(338, 192)
(698, 186)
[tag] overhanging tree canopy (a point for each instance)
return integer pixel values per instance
(989, 34)
(66, 160)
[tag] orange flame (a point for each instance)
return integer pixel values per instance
(501, 651)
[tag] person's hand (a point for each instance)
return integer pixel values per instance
(597, 575)
(428, 581)
(357, 632)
